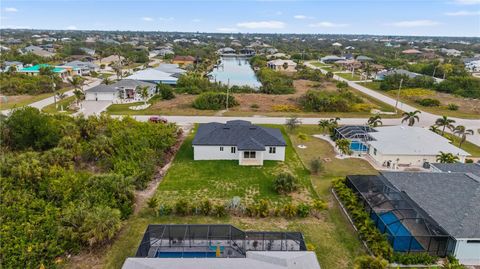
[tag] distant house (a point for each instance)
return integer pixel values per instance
(451, 52)
(238, 140)
(183, 60)
(38, 51)
(472, 64)
(173, 69)
(84, 67)
(282, 65)
(364, 59)
(350, 48)
(382, 74)
(248, 51)
(125, 90)
(62, 71)
(337, 44)
(112, 59)
(8, 64)
(412, 52)
(226, 50)
(88, 51)
(331, 59)
(154, 76)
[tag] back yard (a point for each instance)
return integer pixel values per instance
(329, 232)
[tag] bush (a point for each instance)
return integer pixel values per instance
(275, 82)
(453, 107)
(263, 208)
(319, 205)
(254, 106)
(285, 183)
(468, 161)
(285, 108)
(206, 207)
(303, 210)
(166, 91)
(414, 258)
(428, 102)
(369, 262)
(214, 101)
(321, 101)
(342, 85)
(289, 210)
(182, 207)
(165, 210)
(219, 211)
(316, 166)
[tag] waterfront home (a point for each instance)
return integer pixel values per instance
(154, 76)
(226, 50)
(173, 69)
(9, 64)
(183, 60)
(238, 140)
(282, 65)
(62, 71)
(123, 90)
(85, 67)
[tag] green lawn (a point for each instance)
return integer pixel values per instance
(335, 242)
(23, 100)
(349, 76)
(319, 64)
(471, 148)
(60, 104)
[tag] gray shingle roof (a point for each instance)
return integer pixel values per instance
(451, 199)
(102, 88)
(242, 134)
(131, 83)
(473, 168)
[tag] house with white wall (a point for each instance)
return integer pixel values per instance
(238, 140)
(125, 90)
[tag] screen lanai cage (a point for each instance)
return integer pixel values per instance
(407, 227)
(357, 134)
(209, 241)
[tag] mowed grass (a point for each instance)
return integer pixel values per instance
(225, 179)
(23, 100)
(57, 108)
(349, 76)
(336, 244)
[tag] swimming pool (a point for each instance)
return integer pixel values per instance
(358, 146)
(401, 236)
(206, 254)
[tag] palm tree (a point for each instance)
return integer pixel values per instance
(107, 81)
(344, 146)
(323, 124)
(462, 132)
(411, 117)
(79, 95)
(143, 92)
(434, 129)
(77, 82)
(445, 122)
(292, 123)
(375, 121)
(444, 157)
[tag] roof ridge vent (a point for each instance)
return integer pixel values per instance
(473, 176)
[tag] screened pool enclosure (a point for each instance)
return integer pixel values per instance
(357, 134)
(213, 241)
(407, 227)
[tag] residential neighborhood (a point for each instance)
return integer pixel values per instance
(266, 134)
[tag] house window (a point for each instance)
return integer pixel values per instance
(272, 150)
(221, 148)
(249, 154)
(233, 149)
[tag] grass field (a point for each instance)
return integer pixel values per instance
(60, 104)
(23, 100)
(336, 245)
(349, 76)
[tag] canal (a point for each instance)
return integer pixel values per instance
(234, 70)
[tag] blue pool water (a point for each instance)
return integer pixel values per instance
(358, 146)
(236, 71)
(400, 234)
(185, 254)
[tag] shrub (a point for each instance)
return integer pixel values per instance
(166, 91)
(206, 207)
(263, 208)
(254, 106)
(452, 107)
(285, 183)
(285, 108)
(319, 205)
(303, 210)
(468, 161)
(165, 210)
(329, 74)
(152, 203)
(428, 102)
(321, 101)
(316, 166)
(289, 210)
(369, 262)
(342, 85)
(274, 82)
(182, 207)
(219, 211)
(214, 101)
(413, 258)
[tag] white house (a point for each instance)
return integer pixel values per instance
(396, 146)
(282, 65)
(123, 90)
(154, 76)
(238, 140)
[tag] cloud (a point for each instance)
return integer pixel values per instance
(463, 13)
(300, 17)
(262, 25)
(71, 27)
(10, 9)
(467, 2)
(328, 24)
(416, 23)
(147, 19)
(227, 29)
(165, 18)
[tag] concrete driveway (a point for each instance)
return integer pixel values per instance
(90, 108)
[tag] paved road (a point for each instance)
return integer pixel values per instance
(426, 119)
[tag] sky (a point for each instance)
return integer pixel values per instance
(382, 17)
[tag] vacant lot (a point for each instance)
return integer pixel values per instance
(467, 108)
(252, 104)
(12, 101)
(335, 242)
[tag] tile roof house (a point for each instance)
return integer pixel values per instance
(183, 60)
(238, 140)
(282, 65)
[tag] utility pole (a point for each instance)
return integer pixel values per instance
(398, 94)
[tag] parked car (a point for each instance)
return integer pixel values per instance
(157, 119)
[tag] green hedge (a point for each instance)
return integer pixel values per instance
(214, 101)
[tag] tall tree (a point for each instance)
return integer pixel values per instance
(445, 122)
(344, 146)
(143, 92)
(411, 117)
(462, 132)
(77, 82)
(446, 157)
(375, 121)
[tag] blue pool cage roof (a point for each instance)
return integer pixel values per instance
(215, 240)
(354, 132)
(407, 227)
